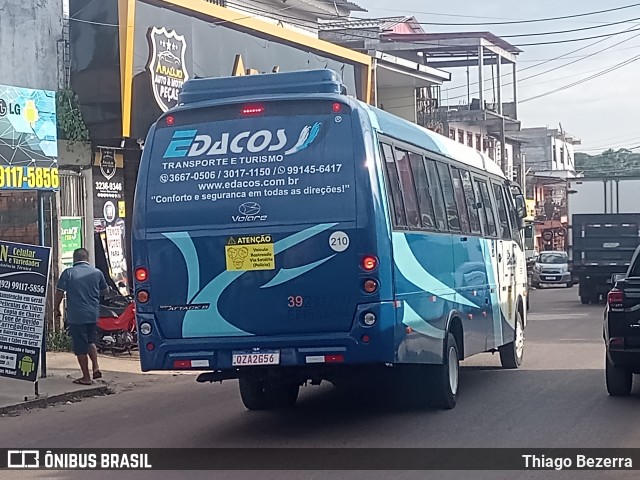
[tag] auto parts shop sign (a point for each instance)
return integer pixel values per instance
(167, 65)
(24, 271)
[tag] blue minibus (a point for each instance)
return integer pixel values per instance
(285, 233)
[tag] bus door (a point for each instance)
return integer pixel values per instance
(506, 254)
(493, 260)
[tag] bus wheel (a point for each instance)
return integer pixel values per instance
(511, 354)
(259, 393)
(445, 377)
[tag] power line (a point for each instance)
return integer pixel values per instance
(571, 40)
(559, 32)
(587, 79)
(557, 58)
(514, 22)
(353, 34)
(546, 60)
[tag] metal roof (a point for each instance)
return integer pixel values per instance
(386, 24)
(458, 45)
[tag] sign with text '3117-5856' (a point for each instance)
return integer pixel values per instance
(28, 139)
(24, 271)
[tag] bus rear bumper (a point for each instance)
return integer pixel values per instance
(289, 352)
(360, 346)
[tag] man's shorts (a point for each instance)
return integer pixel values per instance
(82, 335)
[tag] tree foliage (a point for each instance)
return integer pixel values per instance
(614, 163)
(70, 122)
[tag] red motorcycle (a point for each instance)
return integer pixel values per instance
(117, 324)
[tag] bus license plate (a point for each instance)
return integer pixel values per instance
(250, 358)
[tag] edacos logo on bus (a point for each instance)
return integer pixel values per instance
(188, 143)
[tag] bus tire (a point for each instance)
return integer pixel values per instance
(258, 393)
(619, 379)
(445, 378)
(512, 354)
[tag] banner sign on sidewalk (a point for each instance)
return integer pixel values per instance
(24, 272)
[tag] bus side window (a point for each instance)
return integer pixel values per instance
(422, 189)
(488, 208)
(503, 217)
(408, 189)
(513, 215)
(399, 218)
(472, 202)
(436, 195)
(460, 200)
(449, 198)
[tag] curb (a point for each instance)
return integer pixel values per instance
(63, 397)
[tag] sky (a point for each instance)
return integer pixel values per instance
(602, 112)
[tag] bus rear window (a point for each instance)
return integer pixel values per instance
(263, 170)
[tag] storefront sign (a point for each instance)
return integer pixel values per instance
(109, 208)
(167, 65)
(71, 238)
(24, 272)
(114, 249)
(28, 139)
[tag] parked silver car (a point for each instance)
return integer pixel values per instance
(551, 268)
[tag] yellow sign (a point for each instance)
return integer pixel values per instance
(249, 253)
(29, 177)
(531, 209)
(121, 209)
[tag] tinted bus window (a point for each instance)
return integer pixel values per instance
(460, 200)
(503, 217)
(487, 208)
(408, 189)
(217, 168)
(398, 215)
(436, 195)
(449, 197)
(422, 189)
(513, 215)
(472, 202)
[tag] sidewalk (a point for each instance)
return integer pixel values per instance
(120, 373)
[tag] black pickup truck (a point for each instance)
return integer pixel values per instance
(622, 330)
(602, 245)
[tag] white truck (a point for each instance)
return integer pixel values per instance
(604, 220)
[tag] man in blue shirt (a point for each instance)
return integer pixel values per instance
(83, 285)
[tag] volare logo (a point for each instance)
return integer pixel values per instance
(249, 212)
(188, 143)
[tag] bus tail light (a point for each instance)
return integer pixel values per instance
(370, 286)
(142, 296)
(369, 263)
(169, 120)
(255, 109)
(336, 107)
(142, 274)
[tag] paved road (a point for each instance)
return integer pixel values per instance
(558, 399)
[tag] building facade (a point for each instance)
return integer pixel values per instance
(130, 58)
(550, 163)
(29, 78)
